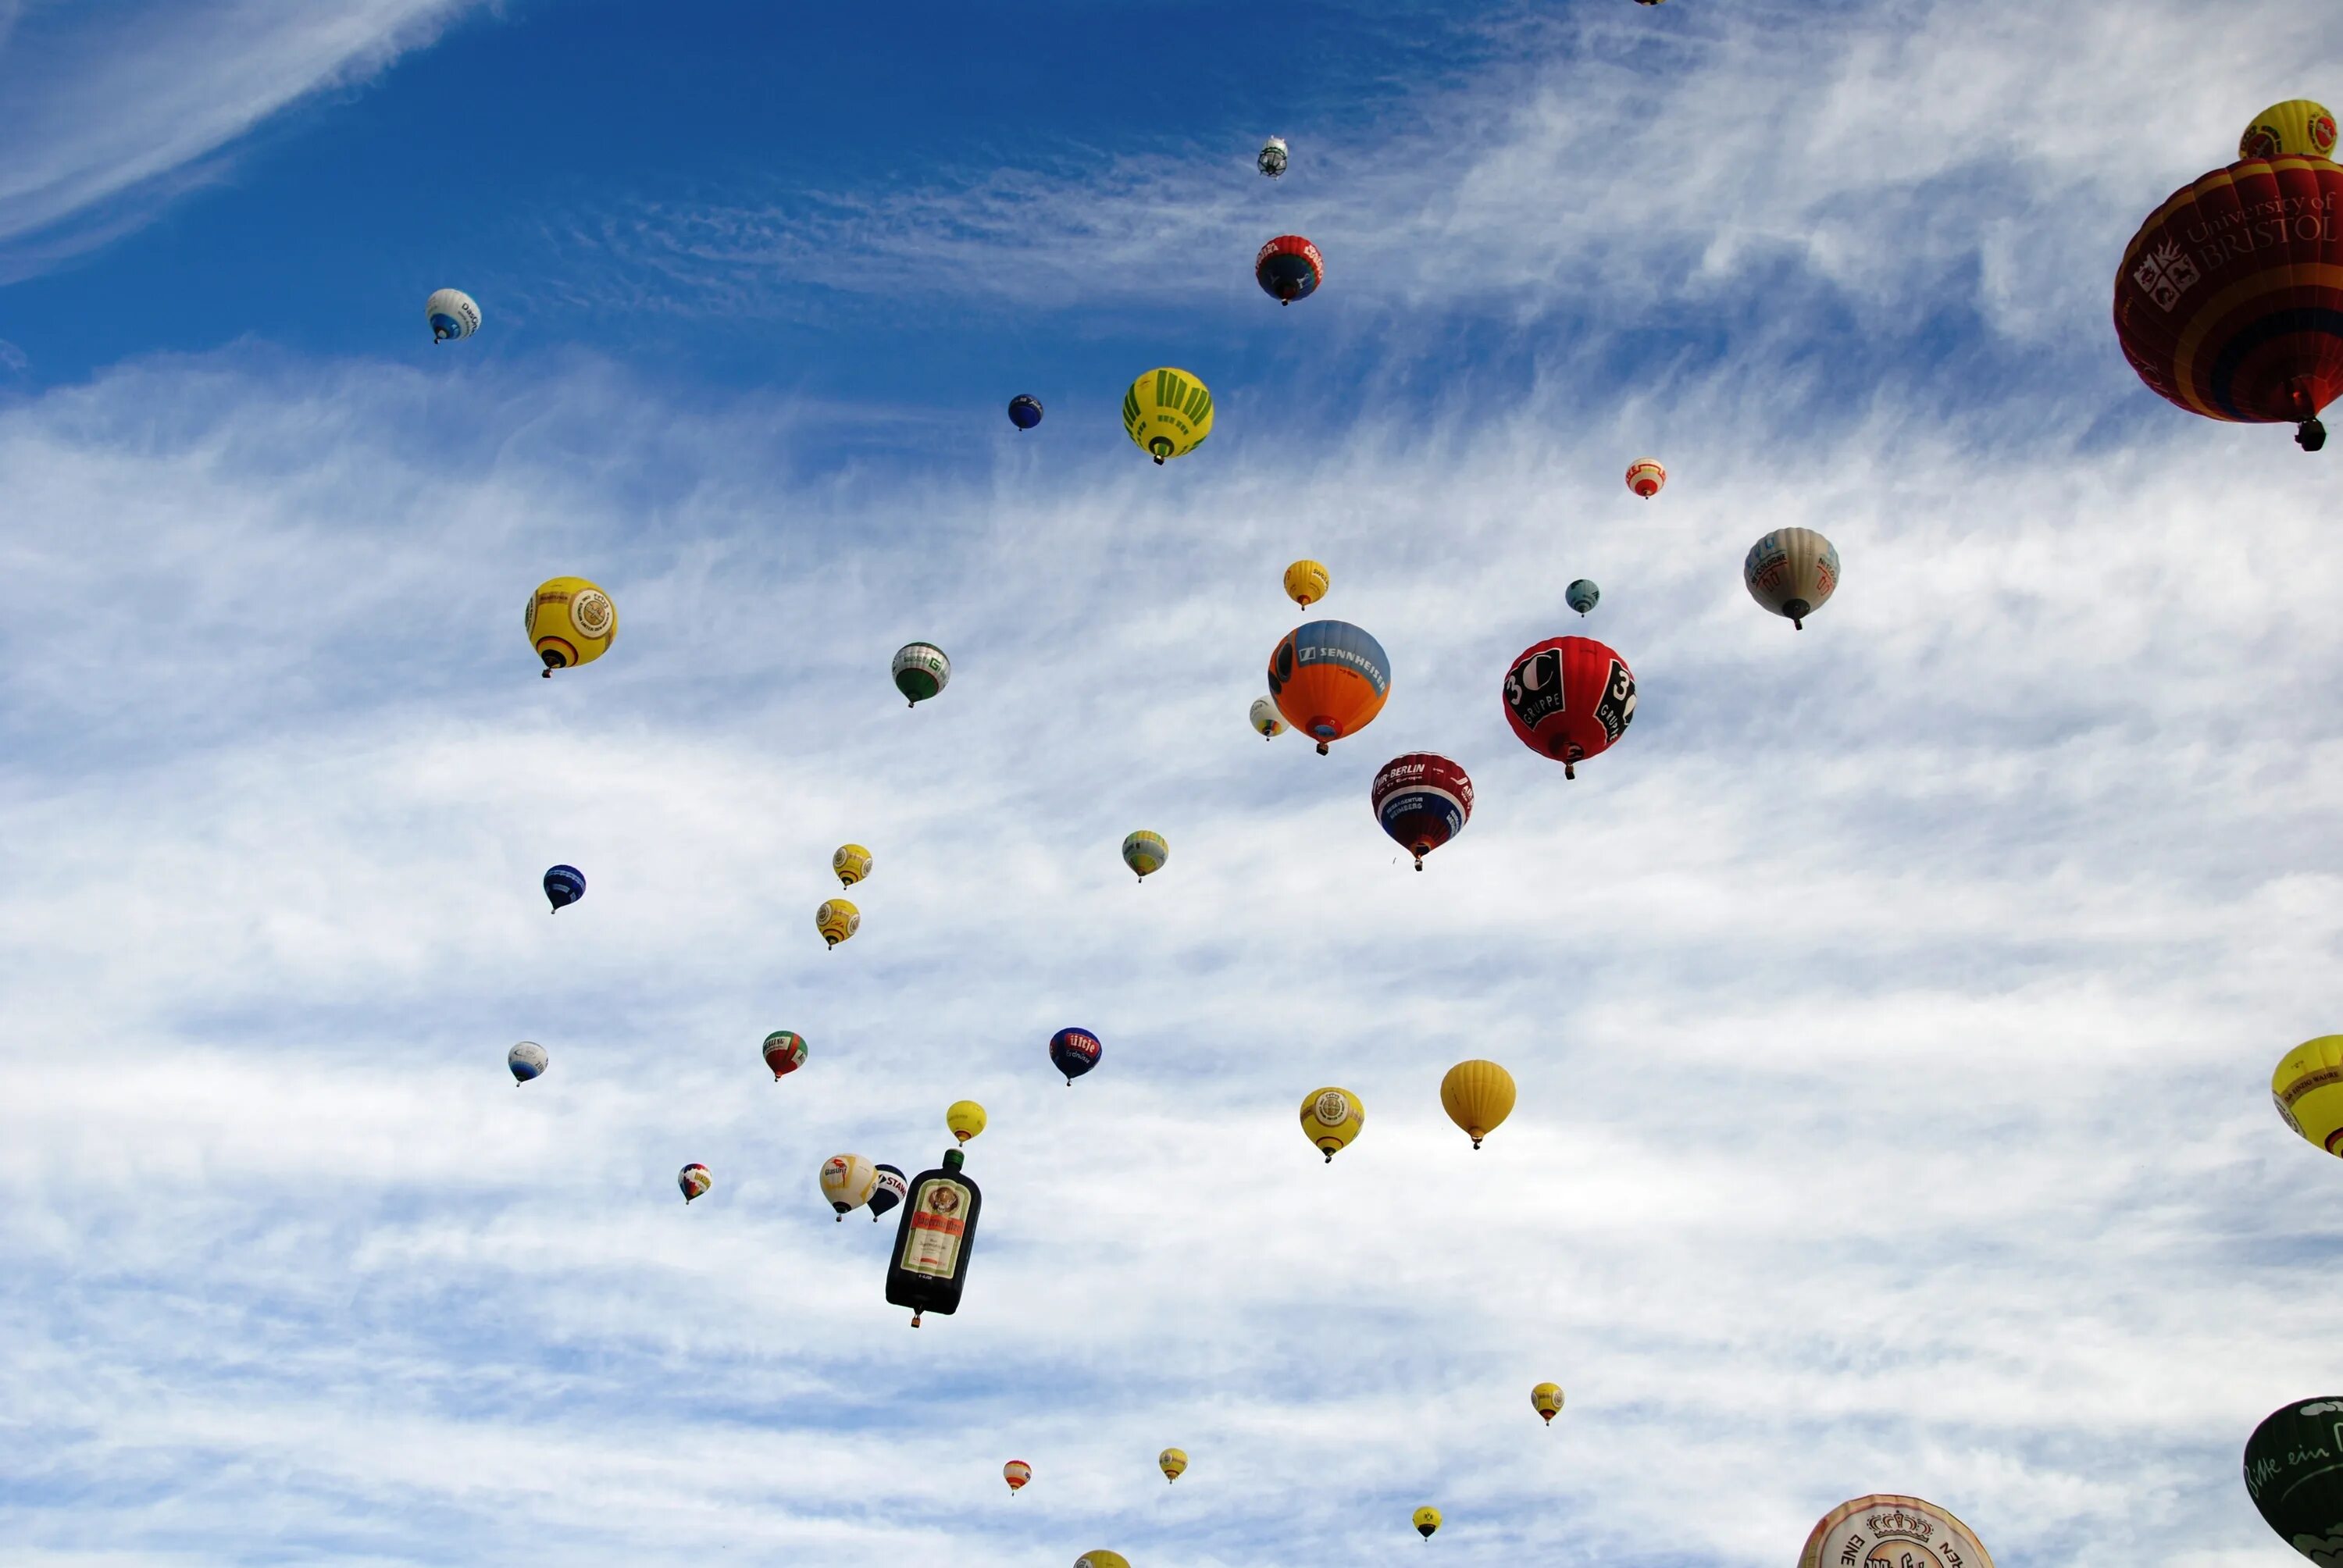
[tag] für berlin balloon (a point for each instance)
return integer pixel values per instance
(569, 622)
(527, 1060)
(1422, 800)
(564, 885)
(452, 314)
(1791, 572)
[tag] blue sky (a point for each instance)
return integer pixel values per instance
(1892, 1011)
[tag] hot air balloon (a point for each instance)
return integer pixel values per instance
(1016, 1472)
(1331, 1118)
(836, 920)
(1791, 572)
(1167, 412)
(1265, 720)
(1074, 1052)
(1272, 158)
(1288, 268)
(2229, 301)
(936, 1237)
(1570, 698)
(527, 1060)
(1328, 680)
(1172, 1462)
(1890, 1532)
(921, 671)
(965, 1118)
(569, 622)
(1547, 1400)
(453, 315)
(2293, 1478)
(1422, 800)
(1145, 852)
(847, 1180)
(2308, 1089)
(1024, 410)
(887, 1191)
(2296, 128)
(1478, 1096)
(695, 1181)
(1582, 596)
(564, 885)
(1306, 583)
(851, 862)
(1099, 1557)
(1427, 1520)
(785, 1052)
(1644, 476)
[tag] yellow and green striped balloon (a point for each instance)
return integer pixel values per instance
(1167, 412)
(1145, 852)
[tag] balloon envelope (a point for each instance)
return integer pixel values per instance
(1025, 410)
(850, 863)
(1099, 1557)
(1016, 1472)
(1644, 476)
(965, 1118)
(1267, 723)
(1331, 1118)
(2293, 1477)
(2297, 126)
(570, 622)
(1145, 852)
(1791, 572)
(1307, 582)
(1570, 698)
(1166, 413)
(695, 1182)
(1895, 1530)
(2308, 1088)
(1426, 1521)
(1329, 679)
(453, 315)
(527, 1060)
(1582, 596)
(1074, 1052)
(1272, 157)
(1478, 1096)
(848, 1182)
(1288, 268)
(1173, 1461)
(921, 670)
(564, 885)
(836, 920)
(785, 1052)
(1547, 1400)
(1423, 799)
(890, 1190)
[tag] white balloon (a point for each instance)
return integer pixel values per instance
(453, 314)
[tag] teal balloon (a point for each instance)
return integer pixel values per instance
(1582, 596)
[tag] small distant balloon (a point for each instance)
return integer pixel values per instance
(1307, 582)
(1791, 572)
(1582, 596)
(1426, 1521)
(1331, 1118)
(1547, 1400)
(921, 671)
(1074, 1052)
(851, 862)
(1266, 720)
(527, 1060)
(1272, 158)
(836, 920)
(695, 1181)
(1173, 1462)
(564, 885)
(1016, 1472)
(1145, 852)
(890, 1190)
(847, 1180)
(965, 1118)
(1288, 268)
(570, 622)
(1166, 413)
(785, 1052)
(1024, 410)
(1644, 476)
(452, 314)
(1478, 1096)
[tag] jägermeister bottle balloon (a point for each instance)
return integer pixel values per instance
(933, 1240)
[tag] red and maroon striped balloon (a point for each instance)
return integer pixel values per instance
(1423, 799)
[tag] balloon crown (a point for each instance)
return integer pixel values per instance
(1899, 1523)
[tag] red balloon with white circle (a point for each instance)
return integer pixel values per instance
(1570, 698)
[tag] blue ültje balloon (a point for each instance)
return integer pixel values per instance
(1024, 410)
(1074, 1052)
(565, 885)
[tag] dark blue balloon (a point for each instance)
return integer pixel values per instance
(1074, 1052)
(1024, 410)
(565, 885)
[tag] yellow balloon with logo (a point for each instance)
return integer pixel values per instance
(1477, 1096)
(1167, 412)
(1547, 1400)
(966, 1119)
(570, 622)
(1427, 1520)
(836, 920)
(1331, 1118)
(2308, 1089)
(1099, 1557)
(852, 863)
(1173, 1462)
(2297, 127)
(1306, 583)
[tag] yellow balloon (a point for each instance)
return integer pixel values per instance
(852, 863)
(1145, 852)
(1099, 1557)
(1167, 412)
(2308, 1089)
(966, 1119)
(1173, 1460)
(1547, 1400)
(836, 920)
(1306, 583)
(570, 621)
(1331, 1118)
(2298, 128)
(1427, 1520)
(1477, 1096)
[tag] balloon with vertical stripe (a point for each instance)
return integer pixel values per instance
(1167, 412)
(1791, 572)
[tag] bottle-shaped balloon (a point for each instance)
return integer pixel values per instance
(1166, 413)
(1426, 1521)
(935, 1240)
(452, 314)
(1172, 1463)
(785, 1052)
(888, 1191)
(1328, 680)
(1307, 582)
(570, 621)
(564, 885)
(1024, 410)
(1890, 1529)
(1331, 1118)
(2296, 128)
(1547, 1400)
(965, 1119)
(1478, 1096)
(1288, 268)
(1570, 698)
(2293, 1479)
(1074, 1052)
(836, 920)
(1644, 476)
(527, 1060)
(1423, 799)
(695, 1182)
(921, 671)
(1267, 723)
(2308, 1089)
(1791, 572)
(847, 1180)
(1582, 596)
(1016, 1472)
(1272, 158)
(1145, 852)
(851, 862)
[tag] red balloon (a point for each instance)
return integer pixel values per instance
(2230, 299)
(1570, 698)
(1423, 799)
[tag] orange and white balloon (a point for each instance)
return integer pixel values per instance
(1016, 1472)
(1644, 476)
